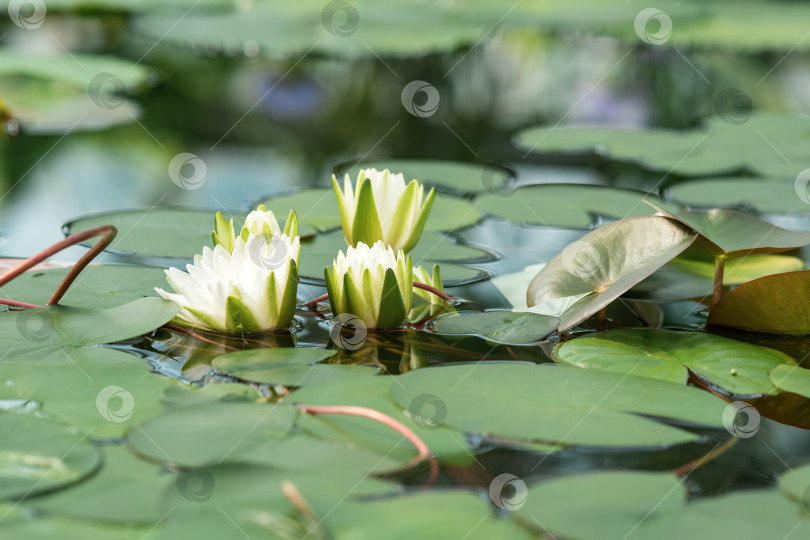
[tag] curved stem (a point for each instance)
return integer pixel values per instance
(14, 303)
(108, 231)
(314, 301)
(424, 452)
(433, 290)
(714, 453)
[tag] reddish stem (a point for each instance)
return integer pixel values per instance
(416, 284)
(14, 303)
(424, 452)
(108, 231)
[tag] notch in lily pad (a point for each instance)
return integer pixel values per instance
(607, 262)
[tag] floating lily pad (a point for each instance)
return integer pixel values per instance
(610, 504)
(67, 92)
(735, 366)
(795, 483)
(177, 396)
(126, 489)
(767, 195)
(775, 304)
(103, 392)
(176, 233)
(733, 234)
(741, 270)
(607, 262)
(210, 433)
(791, 378)
(39, 455)
(566, 205)
(98, 286)
(291, 366)
(19, 523)
(448, 445)
(454, 175)
(569, 406)
(506, 327)
(34, 333)
(318, 208)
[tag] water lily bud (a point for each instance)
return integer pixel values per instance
(435, 280)
(252, 288)
(260, 222)
(381, 207)
(374, 284)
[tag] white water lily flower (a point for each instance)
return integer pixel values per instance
(374, 284)
(260, 222)
(382, 207)
(252, 288)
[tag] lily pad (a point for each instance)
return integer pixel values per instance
(505, 327)
(177, 396)
(318, 208)
(98, 286)
(176, 233)
(126, 489)
(740, 270)
(291, 366)
(103, 392)
(737, 367)
(568, 406)
(794, 483)
(184, 436)
(566, 205)
(448, 445)
(610, 504)
(39, 455)
(452, 175)
(775, 304)
(607, 262)
(791, 378)
(766, 195)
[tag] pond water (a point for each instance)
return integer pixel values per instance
(537, 126)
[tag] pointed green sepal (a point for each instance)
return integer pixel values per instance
(366, 226)
(204, 318)
(335, 295)
(223, 232)
(239, 317)
(345, 220)
(354, 303)
(392, 306)
(419, 226)
(401, 219)
(291, 227)
(286, 310)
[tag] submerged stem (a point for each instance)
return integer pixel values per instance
(424, 452)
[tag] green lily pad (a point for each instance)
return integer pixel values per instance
(740, 270)
(318, 208)
(98, 286)
(291, 366)
(506, 327)
(453, 175)
(176, 233)
(566, 205)
(746, 515)
(607, 262)
(448, 445)
(39, 455)
(126, 489)
(462, 515)
(794, 483)
(20, 524)
(737, 367)
(610, 504)
(35, 333)
(177, 396)
(791, 378)
(184, 436)
(103, 392)
(58, 93)
(734, 234)
(569, 406)
(766, 195)
(773, 304)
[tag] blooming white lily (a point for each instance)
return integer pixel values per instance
(260, 222)
(373, 283)
(252, 288)
(382, 207)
